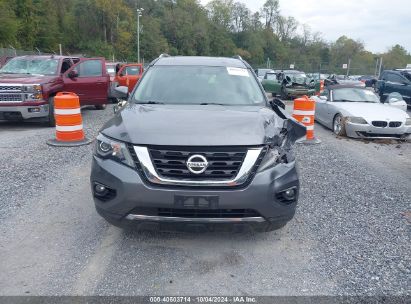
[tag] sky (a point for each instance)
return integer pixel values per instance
(379, 24)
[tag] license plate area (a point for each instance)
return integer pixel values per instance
(196, 201)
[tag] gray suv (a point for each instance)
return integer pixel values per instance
(197, 144)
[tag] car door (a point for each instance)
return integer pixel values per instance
(321, 106)
(89, 80)
(393, 83)
(129, 75)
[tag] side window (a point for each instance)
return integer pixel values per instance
(131, 70)
(89, 68)
(65, 65)
(394, 78)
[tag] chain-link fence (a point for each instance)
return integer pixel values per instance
(7, 53)
(322, 67)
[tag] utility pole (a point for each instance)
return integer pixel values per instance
(379, 69)
(376, 66)
(139, 14)
(348, 68)
(60, 49)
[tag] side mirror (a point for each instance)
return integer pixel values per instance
(288, 78)
(277, 103)
(119, 106)
(72, 74)
(122, 91)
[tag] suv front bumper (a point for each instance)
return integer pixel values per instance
(131, 193)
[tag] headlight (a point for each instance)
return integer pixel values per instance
(408, 121)
(107, 148)
(270, 160)
(35, 92)
(357, 120)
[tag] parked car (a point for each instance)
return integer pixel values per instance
(261, 73)
(197, 143)
(28, 85)
(395, 81)
(343, 80)
(288, 84)
(358, 113)
(368, 80)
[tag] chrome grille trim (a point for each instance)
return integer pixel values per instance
(242, 176)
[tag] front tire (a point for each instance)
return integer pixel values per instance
(101, 107)
(51, 122)
(339, 125)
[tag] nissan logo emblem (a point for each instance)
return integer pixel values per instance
(197, 164)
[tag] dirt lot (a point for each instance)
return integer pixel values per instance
(351, 234)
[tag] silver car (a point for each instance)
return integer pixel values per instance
(358, 113)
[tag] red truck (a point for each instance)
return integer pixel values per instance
(28, 85)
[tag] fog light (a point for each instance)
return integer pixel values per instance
(289, 194)
(34, 110)
(100, 189)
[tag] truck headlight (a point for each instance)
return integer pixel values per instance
(270, 160)
(408, 121)
(357, 120)
(107, 148)
(34, 92)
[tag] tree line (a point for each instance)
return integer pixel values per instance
(183, 27)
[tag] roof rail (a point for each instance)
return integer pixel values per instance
(237, 57)
(164, 55)
(243, 61)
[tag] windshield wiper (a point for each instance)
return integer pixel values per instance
(346, 100)
(151, 102)
(211, 103)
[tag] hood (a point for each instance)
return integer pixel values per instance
(352, 82)
(194, 125)
(25, 79)
(372, 111)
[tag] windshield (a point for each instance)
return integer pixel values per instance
(271, 76)
(38, 66)
(354, 95)
(199, 85)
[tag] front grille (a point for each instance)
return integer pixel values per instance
(8, 97)
(7, 88)
(379, 123)
(224, 163)
(395, 124)
(197, 213)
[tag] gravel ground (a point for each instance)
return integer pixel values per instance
(350, 236)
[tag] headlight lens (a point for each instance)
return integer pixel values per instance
(270, 160)
(357, 120)
(107, 148)
(408, 121)
(34, 90)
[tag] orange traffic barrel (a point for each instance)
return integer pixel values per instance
(69, 123)
(303, 112)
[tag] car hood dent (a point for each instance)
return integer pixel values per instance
(372, 111)
(195, 125)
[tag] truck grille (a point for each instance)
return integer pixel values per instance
(8, 97)
(223, 163)
(197, 213)
(8, 88)
(379, 123)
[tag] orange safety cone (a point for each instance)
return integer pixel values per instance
(304, 111)
(69, 124)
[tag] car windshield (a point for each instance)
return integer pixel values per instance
(197, 85)
(38, 66)
(296, 75)
(271, 76)
(354, 95)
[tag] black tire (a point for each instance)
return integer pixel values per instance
(283, 93)
(339, 125)
(101, 107)
(51, 121)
